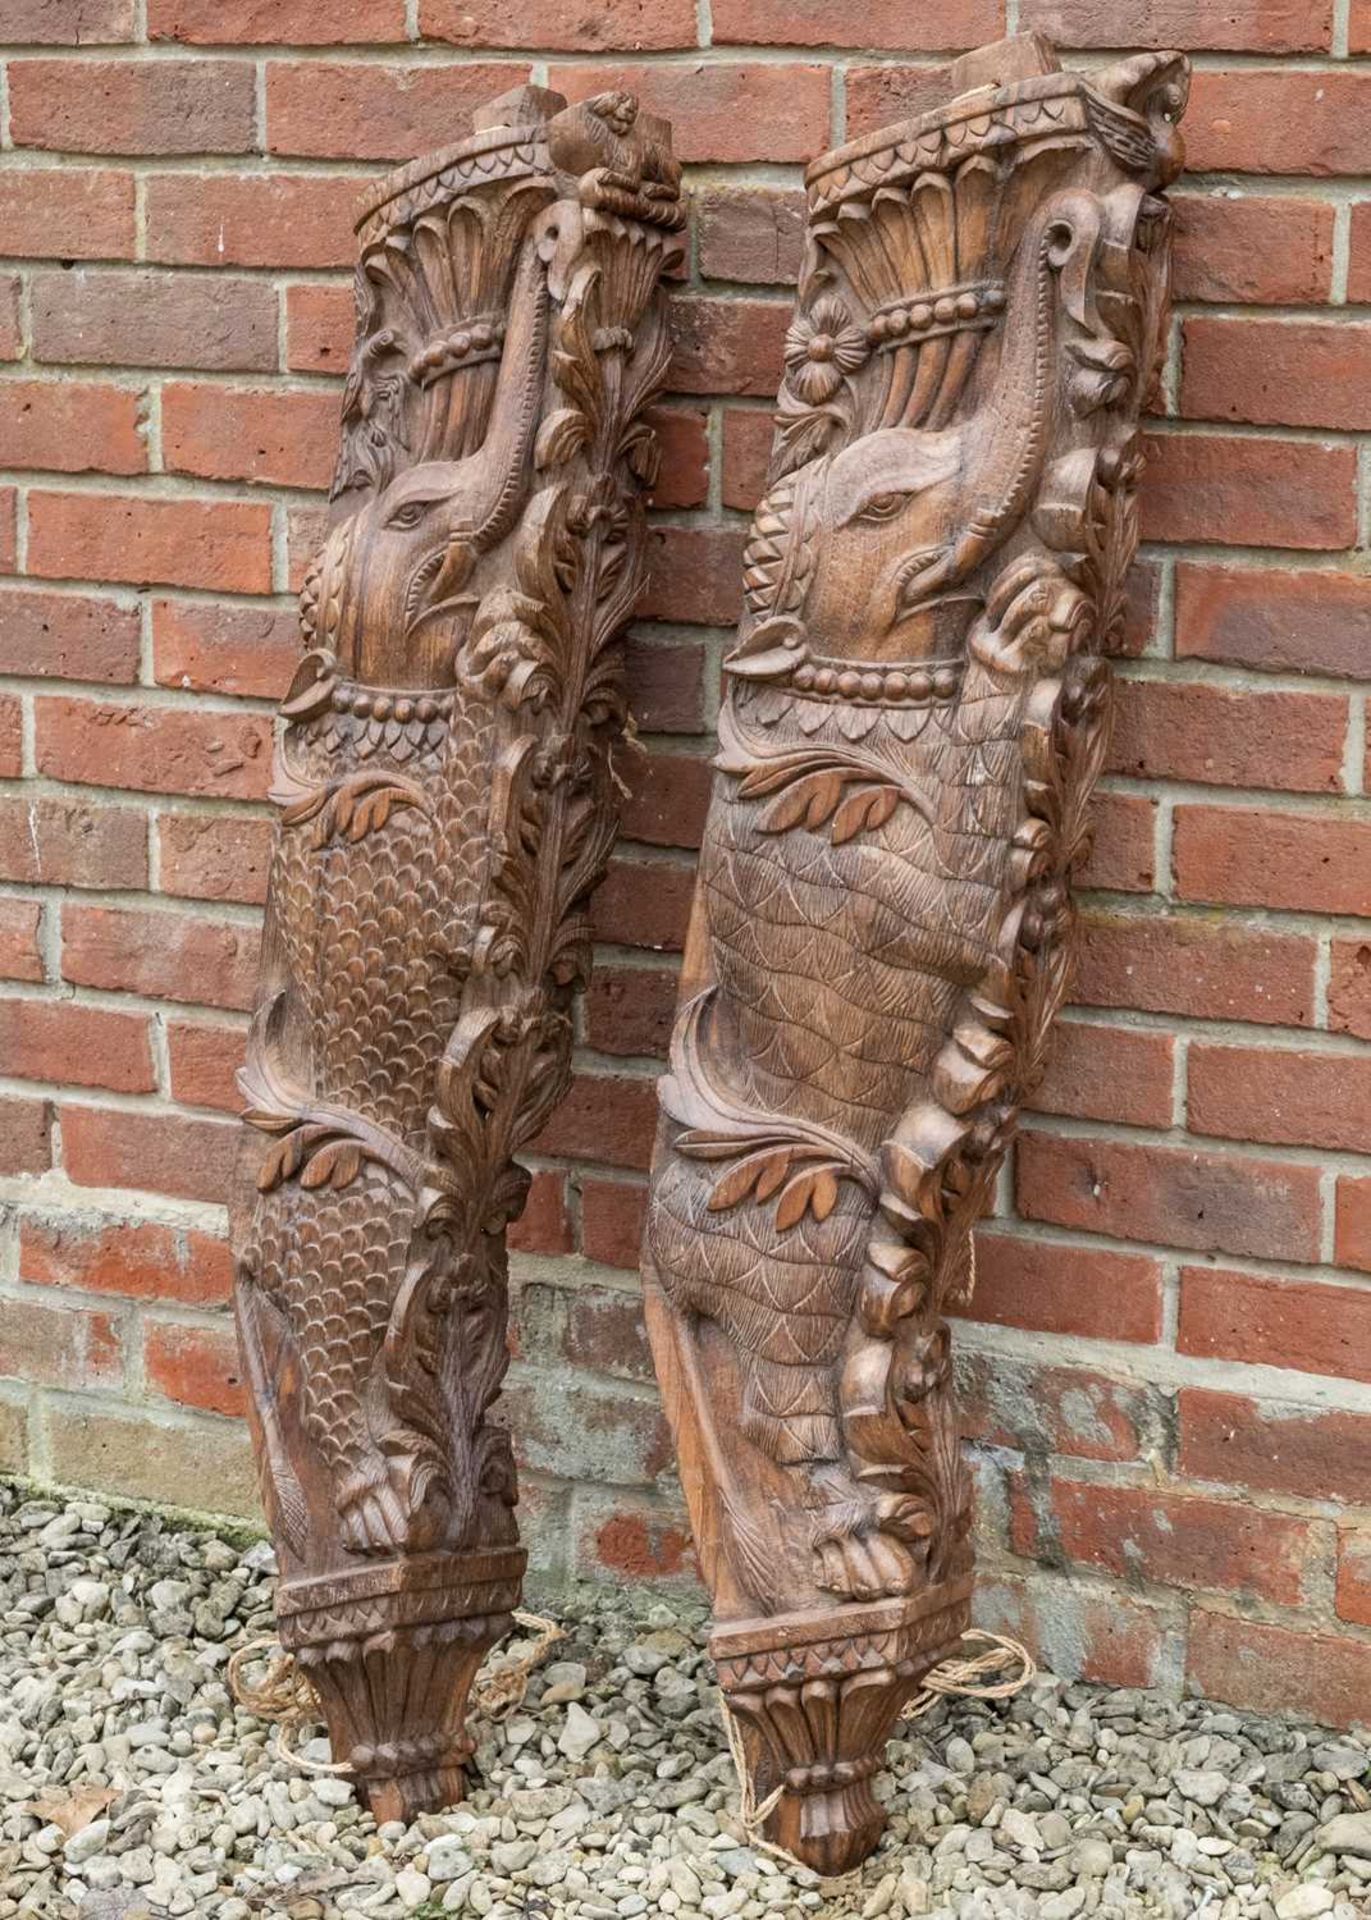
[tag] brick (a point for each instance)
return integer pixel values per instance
(245, 433)
(612, 1215)
(1275, 1669)
(154, 749)
(1040, 1410)
(1353, 1598)
(544, 1226)
(67, 213)
(582, 1428)
(58, 1346)
(747, 454)
(68, 23)
(665, 676)
(607, 1119)
(1314, 1453)
(183, 1463)
(275, 22)
(597, 1327)
(14, 1435)
(1276, 372)
(682, 439)
(356, 110)
(21, 925)
(11, 736)
(25, 1136)
(877, 97)
(169, 955)
(1276, 621)
(627, 26)
(72, 636)
(195, 1366)
(130, 537)
(1281, 1095)
(625, 1538)
(73, 426)
(1252, 26)
(1122, 855)
(1262, 857)
(1173, 1196)
(640, 905)
(1048, 1286)
(1251, 492)
(83, 1046)
(725, 110)
(1274, 120)
(752, 234)
(56, 842)
(173, 1153)
(140, 318)
(133, 106)
(670, 797)
(1359, 27)
(1108, 1638)
(134, 1257)
(209, 856)
(1223, 736)
(11, 321)
(1251, 251)
(320, 321)
(1274, 1322)
(886, 23)
(9, 532)
(629, 1010)
(1359, 263)
(306, 531)
(1108, 1073)
(204, 1061)
(1210, 971)
(694, 575)
(727, 346)
(1352, 1242)
(224, 649)
(252, 219)
(1178, 1539)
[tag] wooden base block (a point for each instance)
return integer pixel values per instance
(392, 1651)
(818, 1695)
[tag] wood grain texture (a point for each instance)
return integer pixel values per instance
(447, 804)
(915, 715)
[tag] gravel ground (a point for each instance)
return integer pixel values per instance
(131, 1785)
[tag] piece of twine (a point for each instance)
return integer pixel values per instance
(286, 1696)
(971, 1678)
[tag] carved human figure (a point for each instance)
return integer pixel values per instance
(915, 714)
(448, 802)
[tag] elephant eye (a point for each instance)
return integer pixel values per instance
(408, 516)
(882, 506)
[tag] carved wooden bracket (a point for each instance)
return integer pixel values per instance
(915, 716)
(448, 803)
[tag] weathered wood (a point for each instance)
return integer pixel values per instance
(448, 802)
(883, 928)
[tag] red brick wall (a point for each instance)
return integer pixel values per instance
(1169, 1373)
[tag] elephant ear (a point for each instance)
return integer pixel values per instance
(891, 465)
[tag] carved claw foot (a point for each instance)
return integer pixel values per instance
(862, 1538)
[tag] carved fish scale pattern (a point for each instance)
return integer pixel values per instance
(373, 931)
(807, 993)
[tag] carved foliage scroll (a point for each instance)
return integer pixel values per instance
(447, 804)
(915, 715)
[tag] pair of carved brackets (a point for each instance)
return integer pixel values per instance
(448, 803)
(914, 717)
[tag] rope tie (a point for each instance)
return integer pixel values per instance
(285, 1695)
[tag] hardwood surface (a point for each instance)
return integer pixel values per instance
(915, 715)
(448, 803)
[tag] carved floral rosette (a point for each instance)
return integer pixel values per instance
(915, 716)
(448, 800)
